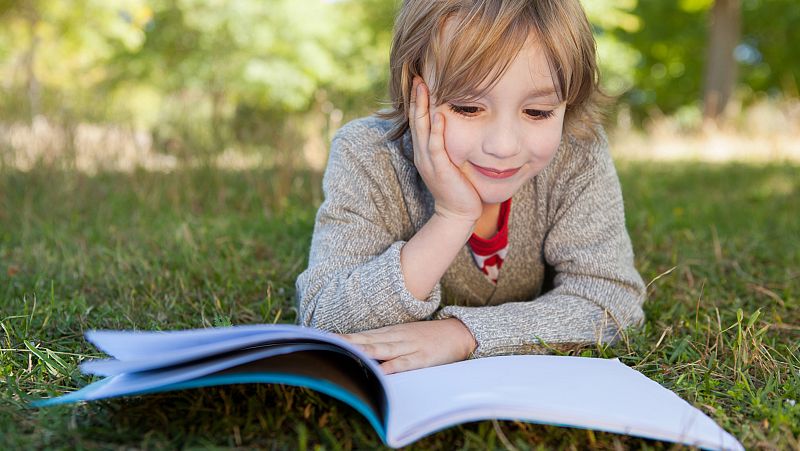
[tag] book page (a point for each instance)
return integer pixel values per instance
(168, 358)
(143, 351)
(599, 394)
(145, 381)
(325, 367)
(135, 345)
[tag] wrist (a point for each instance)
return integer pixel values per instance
(426, 256)
(471, 342)
(455, 223)
(466, 337)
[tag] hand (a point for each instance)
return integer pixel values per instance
(454, 195)
(420, 344)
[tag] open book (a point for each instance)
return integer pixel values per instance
(600, 394)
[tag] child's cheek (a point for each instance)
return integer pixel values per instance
(458, 140)
(548, 147)
(549, 139)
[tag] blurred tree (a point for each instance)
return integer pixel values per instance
(229, 61)
(58, 48)
(210, 72)
(27, 13)
(675, 41)
(617, 59)
(768, 53)
(721, 71)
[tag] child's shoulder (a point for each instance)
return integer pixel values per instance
(581, 155)
(364, 143)
(370, 132)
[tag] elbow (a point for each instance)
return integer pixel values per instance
(305, 316)
(315, 310)
(322, 303)
(306, 302)
(632, 315)
(621, 323)
(633, 319)
(307, 313)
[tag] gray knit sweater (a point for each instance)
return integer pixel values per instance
(568, 218)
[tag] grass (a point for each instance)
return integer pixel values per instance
(201, 247)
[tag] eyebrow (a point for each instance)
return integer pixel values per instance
(544, 92)
(541, 93)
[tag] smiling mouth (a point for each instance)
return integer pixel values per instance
(496, 173)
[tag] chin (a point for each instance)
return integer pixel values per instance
(494, 197)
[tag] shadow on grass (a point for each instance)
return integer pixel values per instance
(289, 417)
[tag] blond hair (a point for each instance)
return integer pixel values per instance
(487, 35)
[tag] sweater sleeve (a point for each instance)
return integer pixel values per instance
(353, 281)
(597, 291)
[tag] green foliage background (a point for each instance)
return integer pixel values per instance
(201, 74)
(669, 45)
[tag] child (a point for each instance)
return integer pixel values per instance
(447, 219)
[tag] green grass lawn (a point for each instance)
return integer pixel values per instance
(199, 248)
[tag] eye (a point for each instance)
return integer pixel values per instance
(468, 111)
(540, 114)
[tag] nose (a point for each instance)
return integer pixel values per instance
(501, 139)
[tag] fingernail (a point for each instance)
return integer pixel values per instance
(419, 89)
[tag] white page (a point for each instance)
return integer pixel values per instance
(168, 357)
(132, 383)
(146, 349)
(134, 345)
(590, 393)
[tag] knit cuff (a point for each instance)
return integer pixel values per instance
(486, 336)
(385, 289)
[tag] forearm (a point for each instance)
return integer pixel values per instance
(427, 255)
(581, 310)
(353, 299)
(539, 326)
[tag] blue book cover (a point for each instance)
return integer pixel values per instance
(591, 393)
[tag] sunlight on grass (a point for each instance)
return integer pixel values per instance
(777, 185)
(91, 148)
(765, 132)
(200, 247)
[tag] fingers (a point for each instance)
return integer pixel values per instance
(370, 336)
(438, 155)
(419, 116)
(398, 365)
(418, 107)
(414, 84)
(380, 344)
(380, 349)
(418, 95)
(387, 350)
(420, 123)
(394, 356)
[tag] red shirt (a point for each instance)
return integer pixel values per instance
(490, 253)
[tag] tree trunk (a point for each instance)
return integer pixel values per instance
(721, 70)
(32, 82)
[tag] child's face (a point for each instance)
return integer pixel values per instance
(509, 135)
